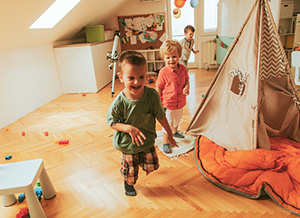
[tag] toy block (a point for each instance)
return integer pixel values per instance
(23, 206)
(63, 142)
(46, 133)
(7, 129)
(83, 94)
(8, 157)
(55, 141)
(23, 133)
(38, 191)
(23, 213)
(38, 184)
(21, 197)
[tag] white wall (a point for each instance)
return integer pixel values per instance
(28, 80)
(233, 14)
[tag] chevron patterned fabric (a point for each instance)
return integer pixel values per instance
(272, 57)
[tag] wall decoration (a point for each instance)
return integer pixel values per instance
(194, 3)
(141, 31)
(176, 12)
(179, 3)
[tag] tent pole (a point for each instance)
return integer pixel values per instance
(258, 83)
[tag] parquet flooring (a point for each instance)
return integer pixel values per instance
(86, 174)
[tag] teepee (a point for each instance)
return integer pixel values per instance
(253, 95)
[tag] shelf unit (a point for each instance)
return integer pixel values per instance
(154, 61)
(287, 25)
(287, 32)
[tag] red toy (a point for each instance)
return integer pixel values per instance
(24, 213)
(83, 94)
(63, 142)
(23, 133)
(46, 133)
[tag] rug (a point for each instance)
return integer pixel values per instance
(184, 145)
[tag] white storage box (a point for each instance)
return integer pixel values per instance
(109, 34)
(287, 9)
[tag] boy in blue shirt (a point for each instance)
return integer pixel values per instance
(132, 114)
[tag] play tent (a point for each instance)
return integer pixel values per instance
(253, 95)
(249, 120)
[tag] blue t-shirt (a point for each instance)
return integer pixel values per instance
(139, 113)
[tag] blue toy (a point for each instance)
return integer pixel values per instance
(8, 157)
(38, 192)
(21, 197)
(202, 95)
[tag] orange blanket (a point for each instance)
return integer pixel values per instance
(276, 171)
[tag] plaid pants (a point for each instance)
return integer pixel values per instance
(147, 160)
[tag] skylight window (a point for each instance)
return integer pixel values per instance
(54, 14)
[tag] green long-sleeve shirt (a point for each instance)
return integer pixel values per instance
(139, 113)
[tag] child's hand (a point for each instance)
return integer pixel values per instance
(172, 141)
(137, 136)
(186, 90)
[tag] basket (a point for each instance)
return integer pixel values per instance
(94, 33)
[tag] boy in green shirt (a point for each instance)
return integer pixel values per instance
(132, 114)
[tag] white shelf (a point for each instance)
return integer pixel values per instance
(286, 30)
(154, 61)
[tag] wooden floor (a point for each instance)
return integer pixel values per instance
(86, 174)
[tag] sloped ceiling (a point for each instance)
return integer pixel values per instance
(17, 15)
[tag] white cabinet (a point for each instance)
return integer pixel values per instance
(83, 68)
(154, 60)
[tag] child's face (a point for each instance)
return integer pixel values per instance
(189, 35)
(134, 78)
(172, 59)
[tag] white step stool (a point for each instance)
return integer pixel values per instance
(21, 177)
